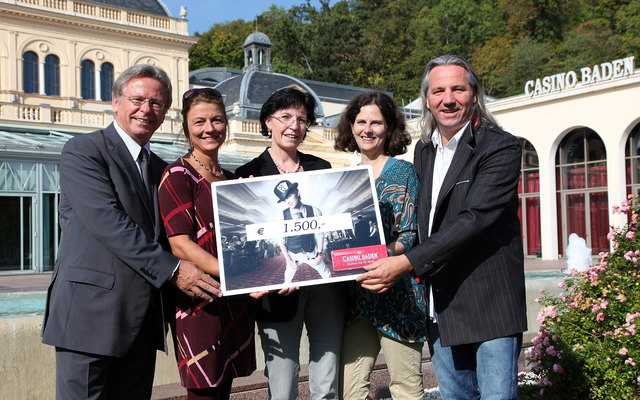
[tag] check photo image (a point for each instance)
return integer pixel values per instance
(296, 229)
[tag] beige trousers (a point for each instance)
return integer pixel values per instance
(361, 343)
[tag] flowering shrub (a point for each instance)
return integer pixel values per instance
(588, 346)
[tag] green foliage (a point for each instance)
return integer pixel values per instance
(588, 347)
(220, 46)
(385, 44)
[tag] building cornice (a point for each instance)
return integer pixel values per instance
(74, 20)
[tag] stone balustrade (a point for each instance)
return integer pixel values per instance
(107, 13)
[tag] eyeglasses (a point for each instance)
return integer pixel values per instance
(288, 120)
(139, 101)
(192, 92)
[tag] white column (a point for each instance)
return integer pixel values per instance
(616, 174)
(41, 77)
(548, 207)
(98, 89)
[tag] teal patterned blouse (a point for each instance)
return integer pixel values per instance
(401, 311)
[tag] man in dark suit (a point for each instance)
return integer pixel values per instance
(470, 253)
(104, 309)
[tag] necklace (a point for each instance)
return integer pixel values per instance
(216, 174)
(284, 170)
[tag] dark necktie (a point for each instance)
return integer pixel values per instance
(145, 168)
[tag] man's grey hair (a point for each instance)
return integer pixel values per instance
(427, 123)
(142, 71)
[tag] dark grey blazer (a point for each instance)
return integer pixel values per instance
(110, 264)
(474, 257)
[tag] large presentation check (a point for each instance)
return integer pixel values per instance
(296, 229)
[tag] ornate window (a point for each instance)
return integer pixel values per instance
(581, 189)
(52, 75)
(106, 81)
(87, 80)
(30, 82)
(529, 194)
(632, 161)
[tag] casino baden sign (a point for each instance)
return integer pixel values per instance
(588, 75)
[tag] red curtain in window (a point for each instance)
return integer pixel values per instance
(534, 241)
(599, 207)
(576, 215)
(532, 180)
(597, 176)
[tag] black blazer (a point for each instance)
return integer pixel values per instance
(473, 258)
(274, 307)
(110, 264)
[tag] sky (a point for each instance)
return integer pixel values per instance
(203, 14)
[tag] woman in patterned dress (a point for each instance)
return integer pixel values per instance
(394, 321)
(214, 342)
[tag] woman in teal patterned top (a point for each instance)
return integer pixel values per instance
(394, 321)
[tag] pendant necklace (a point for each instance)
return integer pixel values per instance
(216, 174)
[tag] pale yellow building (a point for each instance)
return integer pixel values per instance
(58, 60)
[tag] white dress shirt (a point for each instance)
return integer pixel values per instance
(444, 156)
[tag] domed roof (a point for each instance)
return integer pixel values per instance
(244, 94)
(156, 7)
(257, 38)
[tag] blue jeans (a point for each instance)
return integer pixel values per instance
(484, 370)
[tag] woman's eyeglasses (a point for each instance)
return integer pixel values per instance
(289, 120)
(192, 92)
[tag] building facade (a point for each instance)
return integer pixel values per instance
(58, 60)
(581, 147)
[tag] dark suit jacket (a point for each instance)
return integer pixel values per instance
(274, 307)
(110, 265)
(474, 257)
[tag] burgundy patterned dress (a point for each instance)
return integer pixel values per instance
(214, 342)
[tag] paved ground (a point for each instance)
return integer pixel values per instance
(25, 282)
(253, 387)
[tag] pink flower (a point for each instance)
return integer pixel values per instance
(630, 234)
(541, 290)
(638, 379)
(545, 382)
(623, 351)
(561, 284)
(629, 361)
(548, 311)
(551, 351)
(600, 316)
(557, 368)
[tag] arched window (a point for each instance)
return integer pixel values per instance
(632, 161)
(52, 75)
(581, 188)
(106, 81)
(30, 82)
(87, 80)
(529, 194)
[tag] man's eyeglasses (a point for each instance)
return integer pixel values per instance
(288, 120)
(192, 92)
(139, 101)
